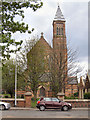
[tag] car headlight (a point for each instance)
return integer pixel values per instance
(69, 104)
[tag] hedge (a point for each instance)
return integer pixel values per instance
(87, 95)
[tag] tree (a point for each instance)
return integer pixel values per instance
(22, 61)
(36, 66)
(10, 25)
(32, 60)
(8, 76)
(61, 68)
(58, 72)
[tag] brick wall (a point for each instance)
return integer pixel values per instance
(79, 103)
(71, 89)
(20, 102)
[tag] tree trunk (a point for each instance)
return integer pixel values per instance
(35, 94)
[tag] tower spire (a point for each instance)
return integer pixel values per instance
(59, 15)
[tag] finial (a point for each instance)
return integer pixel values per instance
(41, 34)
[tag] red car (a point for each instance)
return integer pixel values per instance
(52, 103)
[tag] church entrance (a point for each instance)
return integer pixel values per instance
(42, 91)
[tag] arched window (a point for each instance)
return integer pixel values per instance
(42, 91)
(57, 30)
(61, 31)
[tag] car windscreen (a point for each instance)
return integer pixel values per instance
(55, 99)
(47, 99)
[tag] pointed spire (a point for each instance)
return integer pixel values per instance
(59, 15)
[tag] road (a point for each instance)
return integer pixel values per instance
(34, 113)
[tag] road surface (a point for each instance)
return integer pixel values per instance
(35, 113)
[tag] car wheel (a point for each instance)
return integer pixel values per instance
(2, 107)
(65, 108)
(42, 108)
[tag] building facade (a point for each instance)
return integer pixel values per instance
(60, 50)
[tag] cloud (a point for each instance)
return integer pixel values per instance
(76, 15)
(75, 0)
(77, 26)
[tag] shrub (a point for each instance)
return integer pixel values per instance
(71, 97)
(87, 95)
(34, 102)
(33, 99)
(22, 96)
(76, 94)
(7, 96)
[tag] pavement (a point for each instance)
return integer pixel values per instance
(24, 108)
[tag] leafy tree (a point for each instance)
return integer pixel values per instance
(10, 25)
(8, 77)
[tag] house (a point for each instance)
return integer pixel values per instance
(84, 86)
(72, 86)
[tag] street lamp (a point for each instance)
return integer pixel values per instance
(16, 79)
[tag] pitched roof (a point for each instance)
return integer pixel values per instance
(87, 79)
(87, 82)
(59, 15)
(44, 42)
(45, 77)
(44, 45)
(82, 83)
(72, 81)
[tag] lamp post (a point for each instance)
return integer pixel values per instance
(16, 80)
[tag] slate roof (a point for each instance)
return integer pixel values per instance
(59, 15)
(84, 80)
(87, 78)
(45, 77)
(72, 80)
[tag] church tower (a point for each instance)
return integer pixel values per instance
(59, 36)
(59, 39)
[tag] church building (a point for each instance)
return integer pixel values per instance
(60, 49)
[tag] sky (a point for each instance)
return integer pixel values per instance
(76, 15)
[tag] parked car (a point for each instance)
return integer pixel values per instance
(4, 106)
(52, 103)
